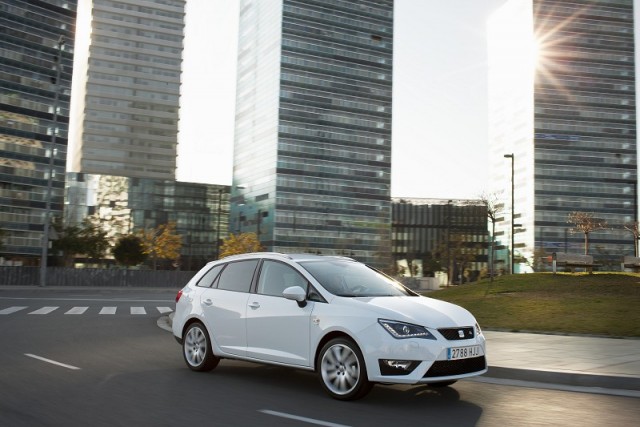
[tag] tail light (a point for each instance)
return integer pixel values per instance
(179, 295)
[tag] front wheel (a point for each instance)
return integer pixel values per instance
(196, 349)
(342, 370)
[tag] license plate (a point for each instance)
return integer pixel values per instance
(457, 353)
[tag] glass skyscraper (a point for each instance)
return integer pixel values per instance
(36, 41)
(567, 115)
(312, 151)
(126, 88)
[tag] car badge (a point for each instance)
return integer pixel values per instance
(461, 333)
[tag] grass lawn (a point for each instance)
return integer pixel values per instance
(605, 304)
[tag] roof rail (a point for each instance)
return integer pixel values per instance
(256, 253)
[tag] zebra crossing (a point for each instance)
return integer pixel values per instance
(80, 310)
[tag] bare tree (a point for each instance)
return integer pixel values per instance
(585, 223)
(634, 228)
(494, 208)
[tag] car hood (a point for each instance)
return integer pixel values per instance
(420, 310)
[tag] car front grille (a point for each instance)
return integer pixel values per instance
(445, 368)
(453, 334)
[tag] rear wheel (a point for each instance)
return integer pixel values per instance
(196, 349)
(342, 370)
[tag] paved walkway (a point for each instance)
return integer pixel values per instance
(571, 360)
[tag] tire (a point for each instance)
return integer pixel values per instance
(196, 349)
(442, 383)
(342, 370)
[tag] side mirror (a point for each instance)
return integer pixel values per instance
(296, 293)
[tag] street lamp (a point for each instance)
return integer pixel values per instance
(220, 190)
(52, 144)
(512, 157)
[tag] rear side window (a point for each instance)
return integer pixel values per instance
(210, 276)
(237, 276)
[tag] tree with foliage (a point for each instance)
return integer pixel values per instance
(95, 241)
(73, 240)
(161, 243)
(240, 244)
(585, 223)
(129, 250)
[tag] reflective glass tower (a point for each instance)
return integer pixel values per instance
(36, 47)
(562, 88)
(313, 126)
(126, 88)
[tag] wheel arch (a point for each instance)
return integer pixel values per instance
(325, 339)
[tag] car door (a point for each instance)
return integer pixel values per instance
(278, 328)
(225, 306)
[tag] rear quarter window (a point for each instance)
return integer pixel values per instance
(237, 276)
(210, 276)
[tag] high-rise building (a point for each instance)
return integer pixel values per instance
(312, 151)
(563, 113)
(36, 60)
(126, 88)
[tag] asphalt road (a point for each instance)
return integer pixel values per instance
(74, 366)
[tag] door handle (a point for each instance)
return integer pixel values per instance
(254, 305)
(208, 302)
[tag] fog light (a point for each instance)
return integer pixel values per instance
(397, 367)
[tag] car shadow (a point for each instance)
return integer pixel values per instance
(384, 405)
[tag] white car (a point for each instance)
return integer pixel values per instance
(351, 324)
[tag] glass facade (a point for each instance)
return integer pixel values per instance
(431, 235)
(126, 88)
(31, 53)
(576, 147)
(123, 205)
(313, 126)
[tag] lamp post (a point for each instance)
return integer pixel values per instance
(512, 157)
(52, 145)
(220, 190)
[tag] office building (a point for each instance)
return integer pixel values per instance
(312, 150)
(433, 236)
(122, 205)
(36, 60)
(563, 124)
(126, 88)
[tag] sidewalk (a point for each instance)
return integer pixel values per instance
(561, 359)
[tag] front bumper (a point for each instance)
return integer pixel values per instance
(425, 360)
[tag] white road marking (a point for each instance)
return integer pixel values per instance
(82, 310)
(44, 310)
(53, 362)
(11, 310)
(87, 299)
(303, 419)
(77, 310)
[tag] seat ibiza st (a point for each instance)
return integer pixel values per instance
(351, 324)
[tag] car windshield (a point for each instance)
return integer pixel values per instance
(352, 279)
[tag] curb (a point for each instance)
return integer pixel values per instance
(572, 379)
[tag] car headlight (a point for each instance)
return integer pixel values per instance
(478, 330)
(401, 330)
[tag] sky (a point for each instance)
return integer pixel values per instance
(439, 134)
